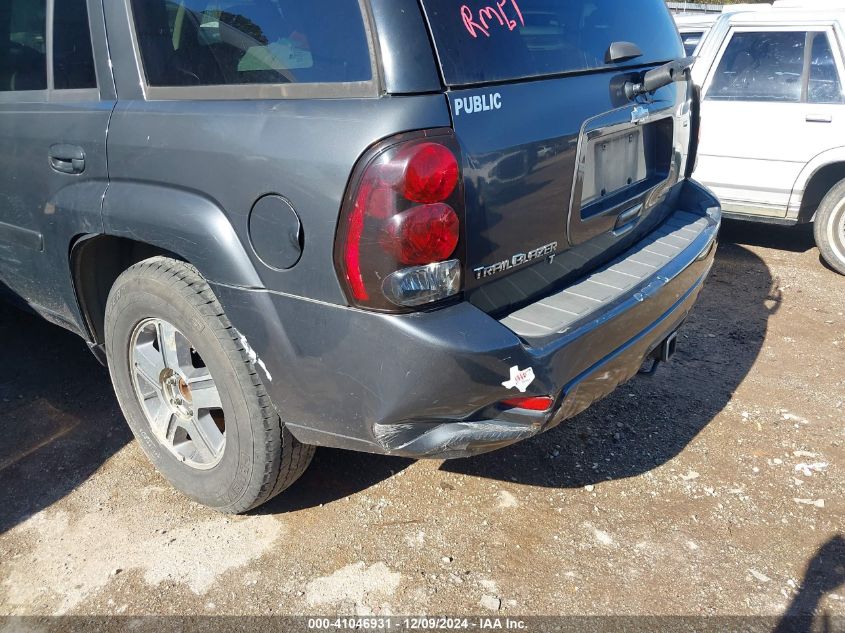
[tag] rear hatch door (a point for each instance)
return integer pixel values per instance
(554, 153)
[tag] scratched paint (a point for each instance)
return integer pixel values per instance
(253, 357)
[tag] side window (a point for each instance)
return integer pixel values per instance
(23, 45)
(214, 43)
(73, 58)
(825, 85)
(761, 66)
(691, 41)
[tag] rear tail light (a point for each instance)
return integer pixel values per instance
(431, 172)
(531, 403)
(422, 234)
(399, 240)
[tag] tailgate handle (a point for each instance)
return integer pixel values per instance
(628, 218)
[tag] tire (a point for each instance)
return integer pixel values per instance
(830, 228)
(163, 324)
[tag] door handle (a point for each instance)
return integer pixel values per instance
(819, 118)
(67, 159)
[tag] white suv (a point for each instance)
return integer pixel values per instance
(773, 119)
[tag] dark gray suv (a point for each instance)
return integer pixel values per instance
(428, 228)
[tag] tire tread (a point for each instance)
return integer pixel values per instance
(824, 216)
(283, 458)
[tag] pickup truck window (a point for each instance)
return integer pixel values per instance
(825, 85)
(23, 45)
(761, 66)
(482, 41)
(73, 56)
(236, 42)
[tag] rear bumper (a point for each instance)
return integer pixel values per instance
(431, 384)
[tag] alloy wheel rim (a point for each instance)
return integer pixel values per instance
(836, 231)
(842, 230)
(177, 393)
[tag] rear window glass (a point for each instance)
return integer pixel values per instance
(499, 40)
(219, 42)
(691, 41)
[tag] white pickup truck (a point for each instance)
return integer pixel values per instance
(772, 142)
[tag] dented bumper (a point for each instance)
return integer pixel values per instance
(432, 384)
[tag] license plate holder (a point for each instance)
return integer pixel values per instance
(613, 163)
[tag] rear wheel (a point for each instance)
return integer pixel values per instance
(830, 228)
(191, 394)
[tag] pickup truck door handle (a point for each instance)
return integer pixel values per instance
(819, 118)
(67, 159)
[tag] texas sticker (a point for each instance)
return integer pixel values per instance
(520, 379)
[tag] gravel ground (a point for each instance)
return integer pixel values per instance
(713, 488)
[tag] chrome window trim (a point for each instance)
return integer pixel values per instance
(74, 95)
(261, 91)
(25, 96)
(323, 90)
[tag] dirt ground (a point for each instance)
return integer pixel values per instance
(714, 488)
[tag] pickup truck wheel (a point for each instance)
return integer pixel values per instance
(191, 394)
(830, 228)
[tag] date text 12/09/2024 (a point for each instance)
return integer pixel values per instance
(430, 623)
(488, 16)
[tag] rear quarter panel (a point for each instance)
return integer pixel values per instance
(234, 152)
(228, 153)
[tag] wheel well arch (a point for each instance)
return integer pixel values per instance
(96, 261)
(820, 183)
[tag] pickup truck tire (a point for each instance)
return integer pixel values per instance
(161, 314)
(830, 228)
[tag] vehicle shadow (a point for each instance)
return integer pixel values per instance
(649, 421)
(58, 418)
(796, 239)
(60, 422)
(824, 574)
(334, 475)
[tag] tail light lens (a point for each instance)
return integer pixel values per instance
(431, 172)
(399, 241)
(531, 403)
(423, 234)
